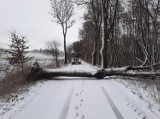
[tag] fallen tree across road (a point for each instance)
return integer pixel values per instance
(38, 73)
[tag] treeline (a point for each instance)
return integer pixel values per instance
(47, 51)
(117, 33)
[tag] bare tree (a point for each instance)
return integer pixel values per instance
(109, 12)
(53, 46)
(62, 11)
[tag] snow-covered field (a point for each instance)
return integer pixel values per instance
(79, 98)
(41, 58)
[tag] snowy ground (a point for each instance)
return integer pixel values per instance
(84, 67)
(41, 58)
(79, 98)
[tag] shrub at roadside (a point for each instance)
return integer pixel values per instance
(14, 80)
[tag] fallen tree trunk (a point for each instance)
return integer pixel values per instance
(142, 67)
(104, 73)
(68, 74)
(38, 73)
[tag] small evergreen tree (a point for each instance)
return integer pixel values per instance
(18, 50)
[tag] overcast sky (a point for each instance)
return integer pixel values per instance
(32, 19)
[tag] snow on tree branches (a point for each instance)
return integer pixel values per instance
(18, 50)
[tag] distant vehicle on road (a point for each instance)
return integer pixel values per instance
(75, 58)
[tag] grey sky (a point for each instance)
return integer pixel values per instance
(32, 19)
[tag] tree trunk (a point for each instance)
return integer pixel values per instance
(94, 57)
(39, 73)
(95, 54)
(104, 61)
(57, 63)
(64, 29)
(65, 50)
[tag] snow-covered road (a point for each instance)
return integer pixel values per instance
(82, 98)
(79, 98)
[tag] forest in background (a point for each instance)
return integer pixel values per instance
(125, 32)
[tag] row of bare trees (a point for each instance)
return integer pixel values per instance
(122, 32)
(115, 32)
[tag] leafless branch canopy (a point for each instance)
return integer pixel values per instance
(62, 11)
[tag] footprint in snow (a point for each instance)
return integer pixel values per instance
(140, 113)
(144, 117)
(76, 107)
(82, 117)
(81, 100)
(77, 114)
(80, 104)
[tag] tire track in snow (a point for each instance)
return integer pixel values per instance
(113, 106)
(66, 106)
